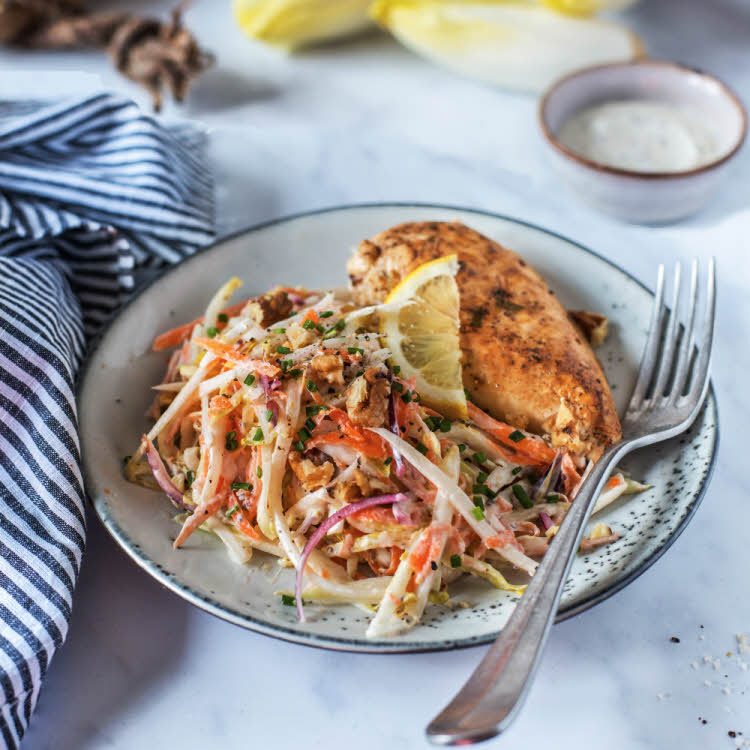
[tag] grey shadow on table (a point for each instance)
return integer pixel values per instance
(220, 89)
(126, 636)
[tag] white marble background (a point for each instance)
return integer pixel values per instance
(367, 121)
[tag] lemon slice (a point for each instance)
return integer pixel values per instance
(422, 334)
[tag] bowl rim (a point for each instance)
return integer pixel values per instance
(619, 171)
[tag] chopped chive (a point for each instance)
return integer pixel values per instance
(445, 425)
(416, 397)
(516, 436)
(552, 498)
(422, 448)
(478, 501)
(309, 424)
(298, 446)
(304, 434)
(320, 328)
(190, 478)
(286, 364)
(396, 369)
(258, 435)
(398, 387)
(250, 379)
(232, 510)
(283, 350)
(406, 396)
(211, 332)
(222, 318)
(295, 373)
(269, 415)
(308, 324)
(326, 314)
(314, 409)
(462, 447)
(288, 600)
(279, 330)
(388, 460)
(455, 561)
(259, 473)
(516, 470)
(479, 458)
(468, 396)
(241, 486)
(478, 513)
(311, 386)
(432, 422)
(481, 477)
(355, 350)
(521, 496)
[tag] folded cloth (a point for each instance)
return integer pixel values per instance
(90, 191)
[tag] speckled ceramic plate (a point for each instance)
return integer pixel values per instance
(311, 249)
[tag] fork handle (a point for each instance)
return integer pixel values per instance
(491, 697)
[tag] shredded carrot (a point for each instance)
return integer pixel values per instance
(232, 354)
(362, 440)
(528, 446)
(615, 481)
(396, 553)
(178, 335)
(571, 477)
(427, 550)
(311, 315)
(501, 539)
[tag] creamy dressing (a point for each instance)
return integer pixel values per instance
(641, 136)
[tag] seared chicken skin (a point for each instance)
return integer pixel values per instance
(523, 360)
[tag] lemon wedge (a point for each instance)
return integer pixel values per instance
(422, 334)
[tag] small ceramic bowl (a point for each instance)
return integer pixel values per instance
(644, 197)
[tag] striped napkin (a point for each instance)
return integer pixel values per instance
(92, 191)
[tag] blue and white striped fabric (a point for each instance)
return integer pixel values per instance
(89, 191)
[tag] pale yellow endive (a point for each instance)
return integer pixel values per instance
(517, 45)
(294, 23)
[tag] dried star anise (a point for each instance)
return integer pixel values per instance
(155, 54)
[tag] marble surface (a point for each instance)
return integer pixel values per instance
(367, 121)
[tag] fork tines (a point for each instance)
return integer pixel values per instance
(677, 356)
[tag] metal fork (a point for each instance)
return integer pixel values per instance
(671, 387)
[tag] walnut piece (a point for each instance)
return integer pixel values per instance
(355, 488)
(594, 326)
(311, 477)
(328, 367)
(269, 308)
(367, 399)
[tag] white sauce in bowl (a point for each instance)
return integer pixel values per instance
(641, 136)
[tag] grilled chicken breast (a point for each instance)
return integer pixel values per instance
(523, 359)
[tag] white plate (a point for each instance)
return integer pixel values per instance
(311, 249)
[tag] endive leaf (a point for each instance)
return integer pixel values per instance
(294, 23)
(519, 45)
(587, 7)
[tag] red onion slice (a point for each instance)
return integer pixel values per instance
(329, 523)
(273, 407)
(409, 513)
(161, 476)
(546, 520)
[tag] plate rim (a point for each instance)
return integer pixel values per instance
(337, 643)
